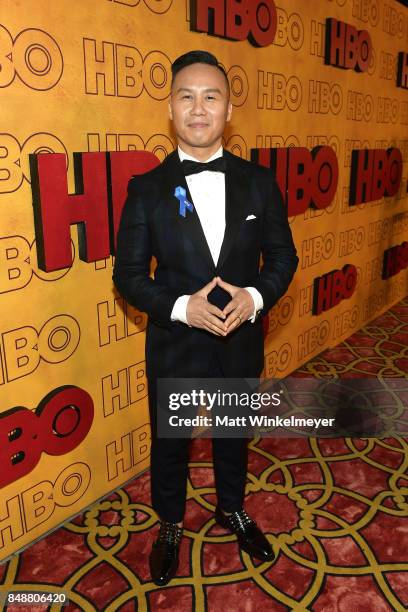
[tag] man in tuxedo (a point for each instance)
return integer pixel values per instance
(208, 295)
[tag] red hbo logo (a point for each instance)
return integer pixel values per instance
(395, 260)
(375, 173)
(236, 19)
(347, 47)
(333, 287)
(60, 423)
(304, 177)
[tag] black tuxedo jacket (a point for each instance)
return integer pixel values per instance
(151, 225)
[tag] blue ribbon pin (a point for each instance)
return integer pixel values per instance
(180, 194)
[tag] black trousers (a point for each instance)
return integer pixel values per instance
(169, 468)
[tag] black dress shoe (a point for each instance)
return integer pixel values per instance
(163, 558)
(250, 537)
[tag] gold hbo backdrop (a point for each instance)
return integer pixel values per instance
(319, 93)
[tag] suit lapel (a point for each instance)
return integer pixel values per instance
(190, 225)
(236, 204)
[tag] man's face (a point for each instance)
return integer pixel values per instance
(199, 106)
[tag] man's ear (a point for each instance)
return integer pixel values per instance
(229, 111)
(170, 110)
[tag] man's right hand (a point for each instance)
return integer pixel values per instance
(201, 313)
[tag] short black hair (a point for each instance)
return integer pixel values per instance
(196, 57)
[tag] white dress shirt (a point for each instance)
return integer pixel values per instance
(208, 194)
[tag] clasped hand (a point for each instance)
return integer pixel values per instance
(201, 313)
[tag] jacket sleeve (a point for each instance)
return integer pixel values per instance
(279, 254)
(131, 273)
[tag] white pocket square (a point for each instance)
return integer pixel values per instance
(249, 217)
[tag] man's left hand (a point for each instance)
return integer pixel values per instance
(240, 308)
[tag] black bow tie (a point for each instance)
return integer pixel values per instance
(193, 167)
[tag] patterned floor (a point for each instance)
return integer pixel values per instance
(335, 509)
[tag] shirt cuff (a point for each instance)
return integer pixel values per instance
(258, 302)
(179, 312)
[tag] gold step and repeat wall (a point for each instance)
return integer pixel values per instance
(94, 77)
